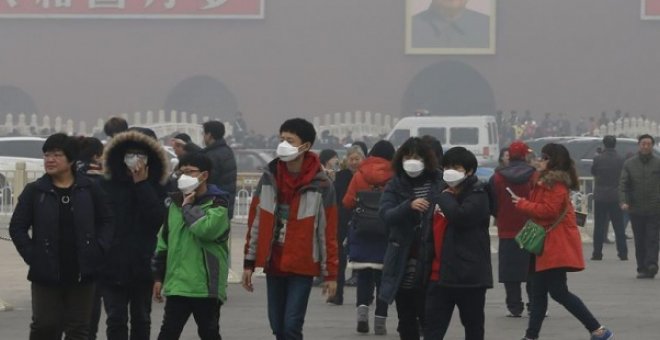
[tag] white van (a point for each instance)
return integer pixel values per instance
(476, 133)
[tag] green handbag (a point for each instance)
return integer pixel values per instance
(532, 236)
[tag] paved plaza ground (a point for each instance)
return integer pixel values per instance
(627, 305)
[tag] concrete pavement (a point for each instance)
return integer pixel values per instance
(627, 305)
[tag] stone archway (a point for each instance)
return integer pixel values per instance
(449, 88)
(15, 100)
(203, 95)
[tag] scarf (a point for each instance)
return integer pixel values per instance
(289, 184)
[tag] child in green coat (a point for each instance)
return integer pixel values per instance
(190, 265)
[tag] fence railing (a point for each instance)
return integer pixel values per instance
(628, 127)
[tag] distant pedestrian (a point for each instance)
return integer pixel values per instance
(367, 245)
(549, 205)
(292, 230)
(519, 177)
(61, 227)
(223, 159)
(354, 157)
(639, 196)
(114, 126)
(606, 169)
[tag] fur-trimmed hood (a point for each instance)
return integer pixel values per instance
(113, 156)
(549, 178)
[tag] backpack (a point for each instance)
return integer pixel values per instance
(366, 222)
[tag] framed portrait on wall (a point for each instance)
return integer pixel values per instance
(650, 10)
(450, 27)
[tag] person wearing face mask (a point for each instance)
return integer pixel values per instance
(406, 209)
(457, 248)
(354, 156)
(136, 171)
(190, 265)
(292, 230)
(368, 248)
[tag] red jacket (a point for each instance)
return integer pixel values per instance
(519, 177)
(373, 171)
(310, 244)
(563, 246)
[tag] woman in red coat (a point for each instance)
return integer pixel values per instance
(563, 247)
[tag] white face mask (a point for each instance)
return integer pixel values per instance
(453, 177)
(287, 152)
(187, 184)
(413, 167)
(131, 160)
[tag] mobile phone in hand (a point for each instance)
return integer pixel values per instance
(510, 192)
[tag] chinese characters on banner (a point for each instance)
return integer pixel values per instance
(119, 9)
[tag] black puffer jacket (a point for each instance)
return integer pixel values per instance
(466, 245)
(224, 170)
(139, 208)
(38, 209)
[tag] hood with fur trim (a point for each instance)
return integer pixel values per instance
(115, 149)
(549, 178)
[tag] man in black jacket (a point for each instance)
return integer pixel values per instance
(136, 169)
(224, 162)
(71, 229)
(606, 170)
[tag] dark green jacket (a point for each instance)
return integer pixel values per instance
(639, 185)
(192, 252)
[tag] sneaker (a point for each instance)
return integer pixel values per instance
(645, 275)
(379, 325)
(596, 257)
(602, 334)
(514, 315)
(652, 269)
(623, 257)
(363, 319)
(335, 300)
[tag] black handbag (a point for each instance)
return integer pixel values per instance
(366, 220)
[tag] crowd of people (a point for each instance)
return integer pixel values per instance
(516, 127)
(112, 226)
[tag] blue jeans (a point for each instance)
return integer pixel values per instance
(287, 304)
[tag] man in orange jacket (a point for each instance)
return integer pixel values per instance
(292, 230)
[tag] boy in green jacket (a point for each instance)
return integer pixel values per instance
(190, 265)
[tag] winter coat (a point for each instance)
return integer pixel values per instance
(519, 177)
(639, 186)
(310, 242)
(606, 170)
(192, 252)
(367, 251)
(549, 198)
(405, 229)
(465, 260)
(342, 180)
(38, 210)
(224, 170)
(139, 208)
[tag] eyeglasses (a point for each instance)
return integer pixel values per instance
(545, 157)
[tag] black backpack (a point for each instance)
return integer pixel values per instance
(366, 221)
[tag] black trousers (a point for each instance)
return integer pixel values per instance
(514, 302)
(410, 305)
(605, 212)
(553, 282)
(646, 230)
(61, 309)
(117, 300)
(205, 311)
(96, 314)
(440, 303)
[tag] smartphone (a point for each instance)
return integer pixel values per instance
(510, 192)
